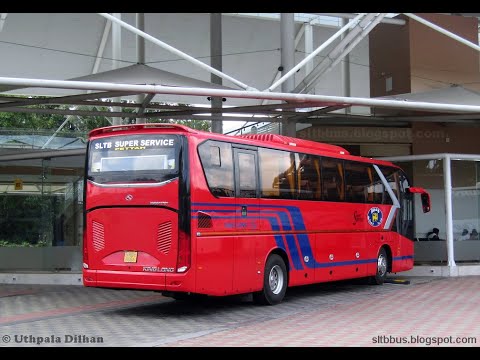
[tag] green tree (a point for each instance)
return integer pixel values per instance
(80, 123)
(31, 121)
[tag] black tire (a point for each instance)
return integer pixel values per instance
(382, 268)
(188, 297)
(181, 296)
(275, 281)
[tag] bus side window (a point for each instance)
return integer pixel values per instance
(376, 190)
(389, 174)
(332, 179)
(287, 183)
(358, 180)
(247, 175)
(216, 158)
(277, 174)
(309, 179)
(318, 189)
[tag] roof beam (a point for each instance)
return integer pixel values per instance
(72, 99)
(176, 51)
(307, 115)
(315, 52)
(298, 20)
(197, 111)
(216, 116)
(68, 112)
(338, 53)
(438, 117)
(101, 46)
(150, 115)
(143, 105)
(41, 154)
(351, 16)
(319, 100)
(78, 100)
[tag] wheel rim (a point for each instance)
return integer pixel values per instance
(382, 265)
(275, 279)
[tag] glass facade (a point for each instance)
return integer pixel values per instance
(466, 210)
(41, 204)
(465, 206)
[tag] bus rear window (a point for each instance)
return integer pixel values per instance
(134, 158)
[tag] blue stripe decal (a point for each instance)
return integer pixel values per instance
(286, 225)
(298, 224)
(220, 210)
(273, 223)
(303, 239)
(292, 246)
(403, 257)
(347, 262)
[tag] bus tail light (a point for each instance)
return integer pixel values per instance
(184, 254)
(85, 252)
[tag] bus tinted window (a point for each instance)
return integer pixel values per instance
(309, 180)
(277, 174)
(391, 174)
(134, 158)
(216, 158)
(376, 191)
(247, 176)
(358, 180)
(332, 180)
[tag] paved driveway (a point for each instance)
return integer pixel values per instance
(427, 312)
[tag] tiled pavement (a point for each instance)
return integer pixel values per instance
(342, 314)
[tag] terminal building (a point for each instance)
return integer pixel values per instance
(392, 57)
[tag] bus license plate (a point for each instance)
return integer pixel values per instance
(130, 257)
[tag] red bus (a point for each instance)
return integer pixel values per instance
(182, 212)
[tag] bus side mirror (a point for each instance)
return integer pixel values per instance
(424, 196)
(425, 202)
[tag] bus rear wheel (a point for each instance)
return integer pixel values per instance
(275, 280)
(382, 268)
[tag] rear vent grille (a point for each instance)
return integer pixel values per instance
(164, 237)
(204, 220)
(98, 236)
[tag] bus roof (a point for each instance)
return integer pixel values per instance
(306, 145)
(133, 127)
(286, 140)
(265, 139)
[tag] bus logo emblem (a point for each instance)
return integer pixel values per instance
(129, 197)
(374, 216)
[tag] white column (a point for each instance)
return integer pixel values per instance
(447, 180)
(216, 63)
(116, 55)
(346, 71)
(140, 20)
(287, 39)
(308, 47)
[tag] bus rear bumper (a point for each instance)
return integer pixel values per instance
(124, 279)
(137, 280)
